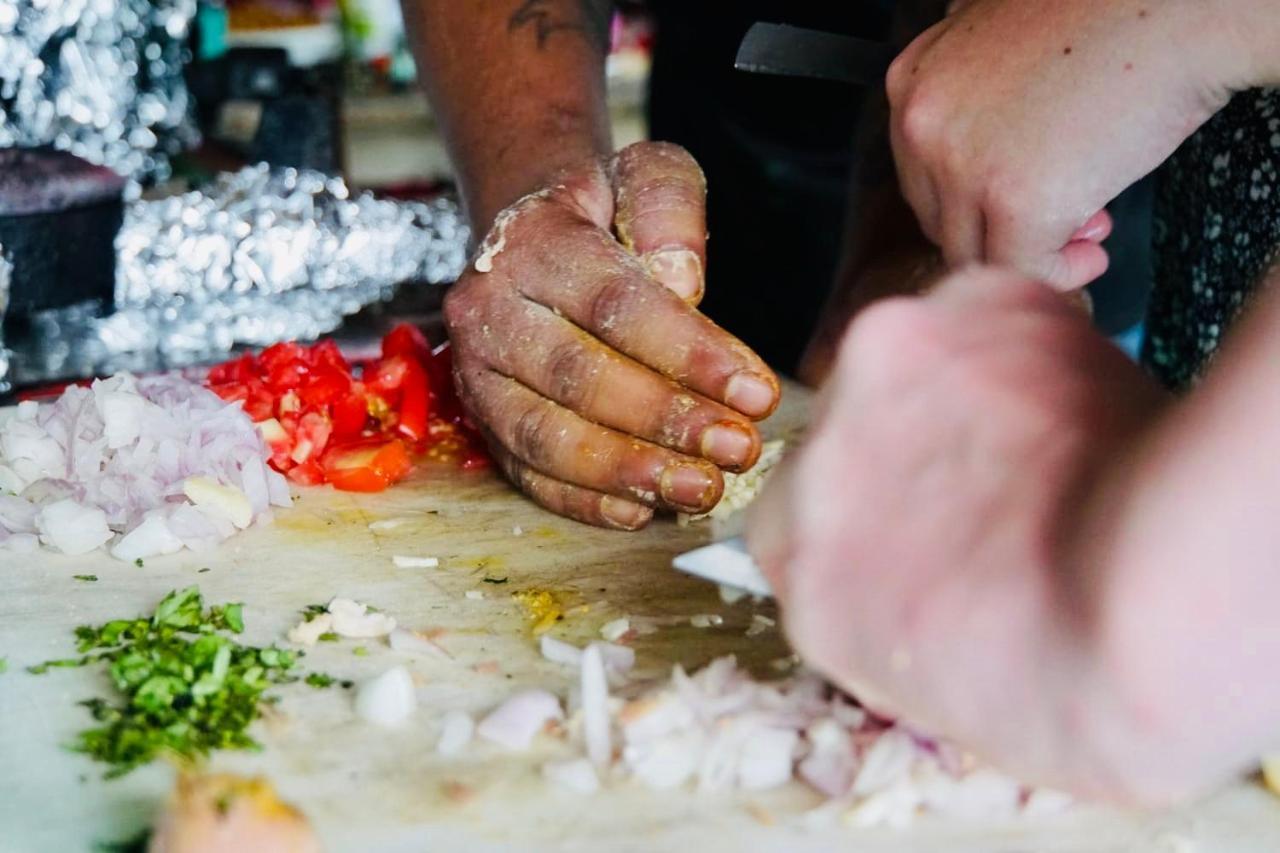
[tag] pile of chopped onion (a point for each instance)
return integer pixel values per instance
(139, 466)
(719, 730)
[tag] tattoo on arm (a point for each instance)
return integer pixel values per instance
(587, 18)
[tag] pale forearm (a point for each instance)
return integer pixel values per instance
(1179, 555)
(518, 88)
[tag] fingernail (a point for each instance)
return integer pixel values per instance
(679, 269)
(624, 514)
(750, 393)
(727, 445)
(685, 486)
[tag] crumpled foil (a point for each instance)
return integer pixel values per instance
(99, 78)
(259, 256)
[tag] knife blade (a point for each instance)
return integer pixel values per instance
(788, 51)
(726, 563)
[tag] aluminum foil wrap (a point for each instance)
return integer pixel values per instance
(99, 78)
(257, 257)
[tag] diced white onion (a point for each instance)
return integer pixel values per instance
(72, 528)
(355, 620)
(576, 775)
(514, 723)
(123, 449)
(456, 730)
(595, 707)
(411, 642)
(405, 562)
(388, 699)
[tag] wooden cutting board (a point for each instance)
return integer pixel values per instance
(371, 789)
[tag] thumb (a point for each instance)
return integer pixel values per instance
(660, 214)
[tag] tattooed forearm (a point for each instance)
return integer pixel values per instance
(587, 18)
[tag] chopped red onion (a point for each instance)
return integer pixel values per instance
(142, 466)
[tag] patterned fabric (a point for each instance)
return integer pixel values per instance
(1217, 232)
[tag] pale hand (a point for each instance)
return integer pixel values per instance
(910, 540)
(1014, 123)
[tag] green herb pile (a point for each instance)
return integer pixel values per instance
(185, 689)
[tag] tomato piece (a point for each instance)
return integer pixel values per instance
(278, 441)
(407, 341)
(361, 462)
(282, 353)
(308, 473)
(387, 374)
(415, 403)
(287, 376)
(358, 480)
(311, 437)
(327, 354)
(444, 398)
(393, 460)
(231, 392)
(240, 369)
(350, 414)
(322, 386)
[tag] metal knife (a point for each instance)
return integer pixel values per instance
(726, 563)
(789, 51)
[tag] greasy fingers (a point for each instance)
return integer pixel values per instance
(660, 200)
(555, 441)
(560, 361)
(591, 280)
(572, 501)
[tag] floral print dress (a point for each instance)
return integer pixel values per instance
(1216, 234)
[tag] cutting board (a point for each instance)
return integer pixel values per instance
(373, 789)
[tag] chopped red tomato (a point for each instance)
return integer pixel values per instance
(350, 414)
(354, 426)
(368, 466)
(407, 340)
(308, 473)
(415, 403)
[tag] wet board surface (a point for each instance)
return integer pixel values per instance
(372, 789)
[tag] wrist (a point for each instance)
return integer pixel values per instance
(527, 156)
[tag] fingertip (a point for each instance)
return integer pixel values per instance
(1096, 229)
(624, 514)
(1083, 262)
(680, 270)
(751, 393)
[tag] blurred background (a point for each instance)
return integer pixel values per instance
(344, 70)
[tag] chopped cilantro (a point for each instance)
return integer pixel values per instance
(86, 578)
(319, 679)
(138, 562)
(183, 688)
(328, 637)
(495, 580)
(4, 665)
(360, 651)
(202, 571)
(313, 610)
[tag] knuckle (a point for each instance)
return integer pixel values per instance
(918, 118)
(897, 77)
(612, 299)
(570, 372)
(532, 433)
